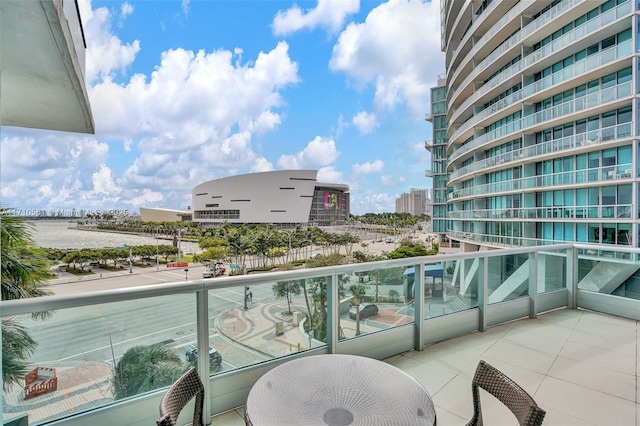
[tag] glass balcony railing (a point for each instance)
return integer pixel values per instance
(114, 352)
(591, 100)
(513, 13)
(546, 83)
(529, 153)
(573, 177)
(615, 211)
(476, 20)
(577, 33)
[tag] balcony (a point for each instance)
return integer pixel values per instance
(552, 332)
(42, 52)
(593, 175)
(598, 101)
(556, 364)
(546, 149)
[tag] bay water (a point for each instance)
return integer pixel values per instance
(63, 234)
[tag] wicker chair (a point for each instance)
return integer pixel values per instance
(179, 394)
(508, 392)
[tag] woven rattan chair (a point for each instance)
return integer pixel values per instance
(508, 392)
(179, 394)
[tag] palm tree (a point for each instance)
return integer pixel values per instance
(357, 290)
(17, 347)
(23, 271)
(24, 267)
(145, 368)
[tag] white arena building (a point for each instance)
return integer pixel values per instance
(279, 197)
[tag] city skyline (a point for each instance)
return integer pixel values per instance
(185, 92)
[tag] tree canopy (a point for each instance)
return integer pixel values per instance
(24, 269)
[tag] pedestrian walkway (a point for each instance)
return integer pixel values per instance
(257, 327)
(268, 328)
(81, 386)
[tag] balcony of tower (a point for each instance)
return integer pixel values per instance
(578, 143)
(528, 36)
(484, 42)
(526, 94)
(489, 18)
(595, 103)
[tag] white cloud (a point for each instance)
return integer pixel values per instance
(185, 6)
(397, 49)
(367, 168)
(261, 165)
(199, 96)
(195, 117)
(329, 14)
(147, 198)
(390, 180)
(126, 9)
(365, 122)
(55, 170)
(418, 147)
(103, 182)
(318, 152)
(329, 174)
(106, 54)
(368, 201)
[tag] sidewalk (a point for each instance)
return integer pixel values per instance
(255, 328)
(81, 386)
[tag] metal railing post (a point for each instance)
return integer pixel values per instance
(202, 320)
(533, 284)
(333, 314)
(483, 292)
(572, 277)
(418, 304)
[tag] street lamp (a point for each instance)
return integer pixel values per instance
(157, 251)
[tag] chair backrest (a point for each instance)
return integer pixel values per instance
(178, 395)
(508, 392)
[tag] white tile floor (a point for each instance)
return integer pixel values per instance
(579, 366)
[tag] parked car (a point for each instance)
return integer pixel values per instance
(214, 270)
(215, 359)
(366, 310)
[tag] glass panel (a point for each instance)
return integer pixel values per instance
(594, 233)
(581, 232)
(552, 270)
(136, 337)
(568, 231)
(461, 280)
(508, 277)
(374, 300)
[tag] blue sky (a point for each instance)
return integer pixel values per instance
(183, 92)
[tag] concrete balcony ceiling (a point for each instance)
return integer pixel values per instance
(41, 76)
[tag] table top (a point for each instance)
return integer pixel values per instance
(338, 390)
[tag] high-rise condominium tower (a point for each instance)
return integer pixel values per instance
(540, 142)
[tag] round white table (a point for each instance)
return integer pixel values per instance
(338, 390)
